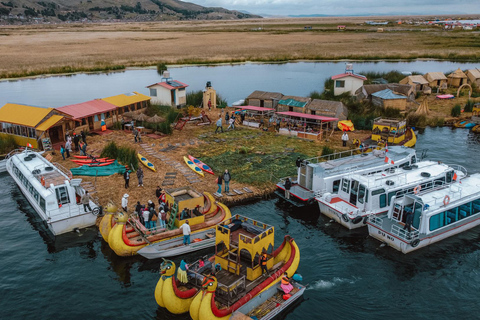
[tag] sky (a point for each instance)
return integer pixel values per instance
(347, 7)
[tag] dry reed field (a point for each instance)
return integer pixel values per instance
(39, 49)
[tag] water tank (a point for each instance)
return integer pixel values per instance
(209, 84)
(166, 74)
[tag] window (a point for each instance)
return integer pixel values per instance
(346, 185)
(62, 195)
(42, 204)
(336, 186)
(84, 121)
(449, 176)
(339, 83)
(95, 118)
(361, 193)
(382, 200)
(153, 92)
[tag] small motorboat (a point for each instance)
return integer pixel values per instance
(146, 163)
(174, 247)
(201, 165)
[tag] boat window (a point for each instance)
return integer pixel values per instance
(417, 213)
(36, 195)
(390, 196)
(346, 185)
(336, 186)
(42, 204)
(414, 159)
(449, 176)
(439, 181)
(383, 200)
(437, 221)
(62, 195)
(476, 206)
(378, 191)
(361, 193)
(465, 210)
(451, 215)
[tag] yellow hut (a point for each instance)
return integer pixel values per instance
(128, 102)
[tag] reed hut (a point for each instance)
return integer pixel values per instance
(436, 79)
(293, 103)
(418, 81)
(388, 99)
(328, 108)
(264, 99)
(457, 78)
(473, 76)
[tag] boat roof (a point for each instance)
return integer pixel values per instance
(400, 176)
(468, 188)
(366, 160)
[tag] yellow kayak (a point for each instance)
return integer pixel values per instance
(193, 166)
(145, 162)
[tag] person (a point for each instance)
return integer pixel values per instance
(138, 210)
(186, 233)
(68, 147)
(125, 202)
(76, 140)
(263, 263)
(84, 136)
(139, 136)
(158, 193)
(219, 124)
(126, 176)
(163, 197)
(140, 176)
(219, 183)
(227, 117)
(182, 272)
(185, 214)
(86, 201)
(227, 177)
(261, 123)
(285, 283)
(151, 204)
(242, 116)
(196, 211)
(123, 123)
(216, 268)
(298, 162)
(209, 104)
(163, 218)
(153, 217)
(146, 217)
(62, 151)
(288, 185)
(201, 263)
(84, 149)
(231, 124)
(344, 138)
(135, 134)
(278, 124)
(408, 219)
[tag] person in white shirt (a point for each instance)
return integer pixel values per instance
(344, 138)
(125, 202)
(186, 233)
(146, 215)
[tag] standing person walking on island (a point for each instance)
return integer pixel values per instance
(62, 152)
(140, 177)
(84, 136)
(158, 193)
(219, 124)
(344, 138)
(219, 183)
(125, 202)
(76, 140)
(135, 134)
(288, 185)
(231, 123)
(126, 176)
(298, 162)
(186, 233)
(227, 177)
(227, 117)
(86, 201)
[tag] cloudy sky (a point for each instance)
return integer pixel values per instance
(346, 7)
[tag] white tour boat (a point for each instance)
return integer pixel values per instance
(362, 195)
(53, 194)
(438, 213)
(323, 174)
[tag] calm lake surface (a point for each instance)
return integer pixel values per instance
(350, 275)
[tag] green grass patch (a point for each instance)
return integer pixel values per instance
(124, 155)
(7, 144)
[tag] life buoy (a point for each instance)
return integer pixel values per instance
(446, 200)
(415, 243)
(345, 217)
(417, 189)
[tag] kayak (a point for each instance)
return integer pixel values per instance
(145, 162)
(193, 166)
(98, 164)
(88, 161)
(85, 157)
(201, 165)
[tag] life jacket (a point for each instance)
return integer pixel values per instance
(263, 260)
(285, 280)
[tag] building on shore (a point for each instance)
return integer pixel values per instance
(418, 81)
(293, 103)
(347, 81)
(436, 80)
(457, 78)
(328, 108)
(388, 99)
(264, 99)
(168, 92)
(128, 102)
(36, 126)
(88, 115)
(473, 76)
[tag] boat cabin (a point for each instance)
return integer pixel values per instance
(186, 198)
(390, 130)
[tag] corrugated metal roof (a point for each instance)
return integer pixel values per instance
(50, 122)
(254, 108)
(23, 115)
(306, 116)
(172, 84)
(126, 99)
(86, 109)
(388, 94)
(265, 95)
(292, 103)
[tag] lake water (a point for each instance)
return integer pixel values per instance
(349, 275)
(232, 82)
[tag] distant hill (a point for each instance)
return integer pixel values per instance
(33, 11)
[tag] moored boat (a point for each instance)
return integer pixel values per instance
(201, 165)
(391, 132)
(145, 162)
(126, 234)
(464, 124)
(238, 277)
(193, 166)
(169, 248)
(437, 214)
(316, 176)
(51, 191)
(360, 196)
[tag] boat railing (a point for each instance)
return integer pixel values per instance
(334, 156)
(402, 233)
(13, 152)
(140, 228)
(230, 293)
(64, 170)
(460, 168)
(376, 220)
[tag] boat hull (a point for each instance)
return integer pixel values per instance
(193, 166)
(201, 165)
(146, 163)
(342, 218)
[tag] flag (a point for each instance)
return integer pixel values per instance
(386, 147)
(29, 145)
(386, 159)
(455, 177)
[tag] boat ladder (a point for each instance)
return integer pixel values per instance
(233, 259)
(173, 216)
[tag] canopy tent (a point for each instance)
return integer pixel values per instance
(310, 123)
(254, 108)
(255, 111)
(307, 116)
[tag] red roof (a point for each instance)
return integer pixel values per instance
(86, 109)
(358, 76)
(254, 108)
(306, 116)
(172, 84)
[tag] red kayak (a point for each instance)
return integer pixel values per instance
(85, 157)
(89, 161)
(98, 164)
